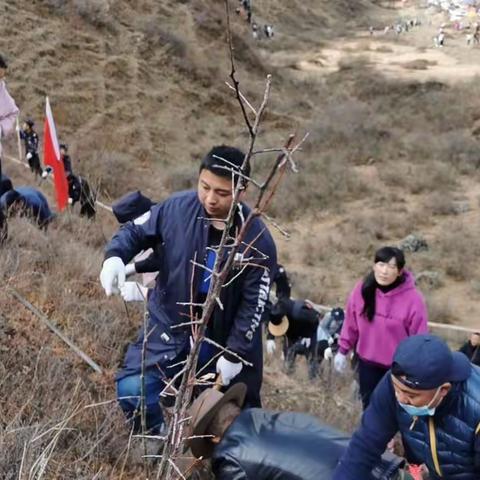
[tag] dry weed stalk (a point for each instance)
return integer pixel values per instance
(226, 254)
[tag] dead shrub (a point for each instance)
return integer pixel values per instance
(110, 171)
(439, 311)
(95, 12)
(157, 36)
(438, 203)
(456, 248)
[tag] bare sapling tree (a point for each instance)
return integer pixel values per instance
(227, 257)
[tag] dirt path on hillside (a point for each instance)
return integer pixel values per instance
(408, 56)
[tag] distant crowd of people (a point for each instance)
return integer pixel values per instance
(258, 31)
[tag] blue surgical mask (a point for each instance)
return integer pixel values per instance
(424, 411)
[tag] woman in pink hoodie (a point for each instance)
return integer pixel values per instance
(383, 309)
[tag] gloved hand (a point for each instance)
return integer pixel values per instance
(46, 172)
(340, 362)
(331, 341)
(328, 354)
(271, 346)
(70, 199)
(29, 155)
(228, 370)
(133, 292)
(130, 269)
(112, 276)
(305, 342)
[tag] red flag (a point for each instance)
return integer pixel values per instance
(51, 157)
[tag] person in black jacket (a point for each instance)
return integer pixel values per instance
(30, 139)
(67, 161)
(190, 226)
(79, 190)
(472, 348)
(297, 323)
(257, 444)
(135, 207)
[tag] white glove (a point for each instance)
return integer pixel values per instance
(45, 173)
(340, 362)
(328, 354)
(331, 341)
(112, 276)
(29, 155)
(70, 199)
(271, 346)
(133, 292)
(305, 342)
(130, 269)
(228, 370)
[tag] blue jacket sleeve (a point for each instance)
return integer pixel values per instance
(255, 292)
(378, 426)
(132, 239)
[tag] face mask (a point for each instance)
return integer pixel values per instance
(424, 411)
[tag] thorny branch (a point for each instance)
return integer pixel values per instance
(225, 260)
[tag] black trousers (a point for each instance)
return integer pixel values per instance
(34, 164)
(369, 376)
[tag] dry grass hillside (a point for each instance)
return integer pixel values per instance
(137, 90)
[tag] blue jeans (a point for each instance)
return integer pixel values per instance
(129, 390)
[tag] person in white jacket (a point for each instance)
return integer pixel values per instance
(8, 108)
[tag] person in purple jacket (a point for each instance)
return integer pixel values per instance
(383, 309)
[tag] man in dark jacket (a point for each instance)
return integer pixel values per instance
(258, 444)
(190, 225)
(65, 157)
(297, 323)
(30, 139)
(432, 397)
(29, 202)
(472, 348)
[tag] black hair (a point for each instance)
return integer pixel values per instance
(222, 159)
(369, 287)
(3, 62)
(11, 197)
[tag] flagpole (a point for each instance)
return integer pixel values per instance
(19, 142)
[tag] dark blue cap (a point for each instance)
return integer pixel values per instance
(131, 206)
(424, 362)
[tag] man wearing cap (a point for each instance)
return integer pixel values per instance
(190, 225)
(257, 444)
(431, 396)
